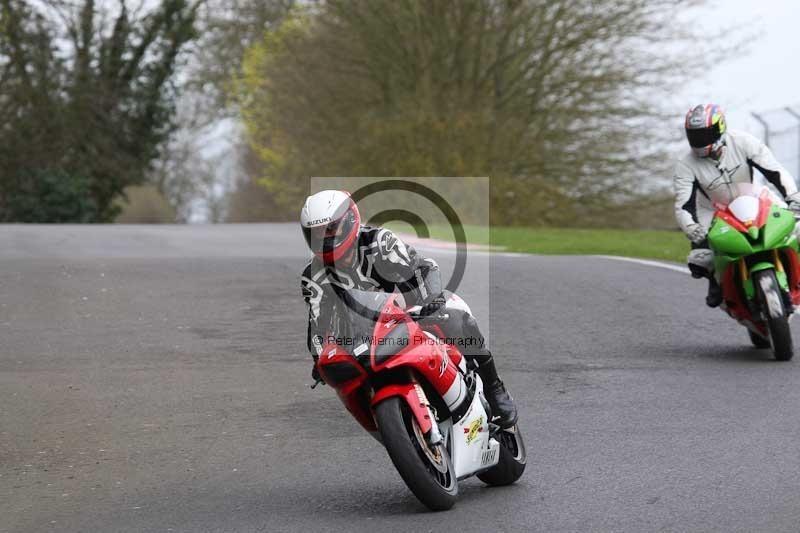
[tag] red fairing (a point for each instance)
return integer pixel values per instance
(792, 267)
(732, 220)
(764, 203)
(407, 391)
(452, 351)
(348, 391)
(425, 355)
(736, 306)
(430, 359)
(454, 354)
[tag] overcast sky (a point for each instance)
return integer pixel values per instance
(766, 77)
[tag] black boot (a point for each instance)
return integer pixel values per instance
(500, 401)
(714, 296)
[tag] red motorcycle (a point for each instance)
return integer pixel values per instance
(416, 395)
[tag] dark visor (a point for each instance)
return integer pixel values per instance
(702, 137)
(327, 238)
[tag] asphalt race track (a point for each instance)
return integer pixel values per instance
(156, 379)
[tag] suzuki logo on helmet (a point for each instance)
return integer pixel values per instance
(318, 221)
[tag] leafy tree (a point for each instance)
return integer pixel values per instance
(549, 99)
(87, 96)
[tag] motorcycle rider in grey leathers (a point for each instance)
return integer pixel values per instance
(348, 255)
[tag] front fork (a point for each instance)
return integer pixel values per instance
(780, 274)
(435, 436)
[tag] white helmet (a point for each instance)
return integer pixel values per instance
(330, 222)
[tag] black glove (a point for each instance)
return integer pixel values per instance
(433, 305)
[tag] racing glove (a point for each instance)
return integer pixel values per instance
(793, 202)
(433, 305)
(696, 233)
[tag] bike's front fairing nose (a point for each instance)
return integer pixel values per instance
(731, 237)
(726, 239)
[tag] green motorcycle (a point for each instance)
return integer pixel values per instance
(756, 263)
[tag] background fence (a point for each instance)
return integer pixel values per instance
(781, 132)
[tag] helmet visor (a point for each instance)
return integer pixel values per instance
(322, 239)
(702, 137)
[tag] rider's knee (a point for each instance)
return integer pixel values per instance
(701, 262)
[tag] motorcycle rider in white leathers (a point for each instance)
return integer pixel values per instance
(719, 158)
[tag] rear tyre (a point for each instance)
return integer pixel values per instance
(427, 471)
(758, 341)
(512, 459)
(771, 300)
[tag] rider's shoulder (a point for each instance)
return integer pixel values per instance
(312, 266)
(368, 233)
(743, 138)
(685, 163)
(387, 239)
(379, 235)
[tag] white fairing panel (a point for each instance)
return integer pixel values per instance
(456, 394)
(472, 449)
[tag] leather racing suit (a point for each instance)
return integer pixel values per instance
(383, 262)
(698, 179)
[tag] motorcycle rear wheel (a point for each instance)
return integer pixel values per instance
(512, 459)
(771, 300)
(427, 471)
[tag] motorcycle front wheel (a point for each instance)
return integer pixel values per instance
(758, 341)
(427, 470)
(771, 300)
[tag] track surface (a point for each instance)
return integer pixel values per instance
(155, 379)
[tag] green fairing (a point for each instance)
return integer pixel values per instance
(783, 280)
(730, 245)
(725, 240)
(780, 223)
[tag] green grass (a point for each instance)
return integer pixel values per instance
(665, 245)
(652, 244)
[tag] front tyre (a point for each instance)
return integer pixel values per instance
(512, 459)
(428, 471)
(771, 300)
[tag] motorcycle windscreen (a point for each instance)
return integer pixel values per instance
(722, 192)
(356, 313)
(744, 208)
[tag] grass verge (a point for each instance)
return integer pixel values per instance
(650, 244)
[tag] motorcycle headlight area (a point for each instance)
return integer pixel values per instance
(744, 208)
(396, 340)
(339, 372)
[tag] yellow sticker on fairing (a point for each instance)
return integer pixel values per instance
(473, 430)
